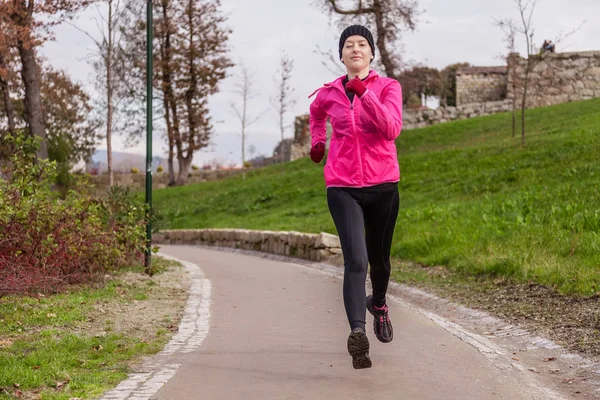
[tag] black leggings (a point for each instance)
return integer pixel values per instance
(365, 219)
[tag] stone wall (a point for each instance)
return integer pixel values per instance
(302, 138)
(480, 85)
(557, 78)
(425, 117)
(308, 246)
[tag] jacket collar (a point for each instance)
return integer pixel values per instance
(338, 83)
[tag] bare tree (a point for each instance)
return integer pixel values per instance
(104, 59)
(191, 59)
(108, 48)
(389, 17)
(245, 89)
(330, 60)
(282, 102)
(201, 49)
(509, 29)
(526, 9)
(166, 31)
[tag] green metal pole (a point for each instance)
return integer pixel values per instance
(149, 75)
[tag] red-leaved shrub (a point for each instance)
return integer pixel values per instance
(47, 242)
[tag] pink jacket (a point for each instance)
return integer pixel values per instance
(362, 151)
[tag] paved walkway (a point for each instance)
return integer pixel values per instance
(277, 330)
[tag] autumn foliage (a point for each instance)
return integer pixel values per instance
(47, 242)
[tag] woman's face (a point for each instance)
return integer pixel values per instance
(356, 53)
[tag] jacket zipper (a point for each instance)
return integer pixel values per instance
(360, 166)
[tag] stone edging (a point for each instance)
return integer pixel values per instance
(309, 246)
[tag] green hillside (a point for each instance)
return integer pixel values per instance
(472, 198)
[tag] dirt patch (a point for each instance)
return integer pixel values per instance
(571, 321)
(143, 306)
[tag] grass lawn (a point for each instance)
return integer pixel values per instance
(472, 198)
(60, 346)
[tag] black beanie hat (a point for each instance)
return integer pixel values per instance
(357, 30)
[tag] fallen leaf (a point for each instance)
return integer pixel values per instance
(98, 348)
(5, 343)
(17, 385)
(59, 385)
(549, 359)
(554, 371)
(18, 394)
(37, 367)
(51, 315)
(515, 358)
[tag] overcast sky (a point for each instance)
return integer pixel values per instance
(448, 32)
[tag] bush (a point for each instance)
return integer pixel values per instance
(59, 150)
(48, 241)
(413, 101)
(160, 169)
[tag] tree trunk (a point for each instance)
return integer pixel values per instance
(243, 148)
(171, 171)
(170, 103)
(171, 164)
(109, 96)
(281, 149)
(514, 117)
(524, 100)
(33, 101)
(8, 105)
(184, 169)
(386, 58)
(512, 79)
(190, 95)
(170, 167)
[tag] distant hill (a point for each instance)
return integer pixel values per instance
(123, 162)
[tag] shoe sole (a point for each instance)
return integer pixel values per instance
(358, 347)
(372, 312)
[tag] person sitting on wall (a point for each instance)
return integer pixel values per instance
(548, 46)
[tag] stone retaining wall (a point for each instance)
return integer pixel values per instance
(557, 78)
(308, 246)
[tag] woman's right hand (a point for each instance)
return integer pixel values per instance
(317, 152)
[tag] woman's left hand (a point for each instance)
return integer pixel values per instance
(356, 86)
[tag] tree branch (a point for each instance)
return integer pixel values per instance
(359, 11)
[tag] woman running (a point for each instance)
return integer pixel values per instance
(361, 176)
